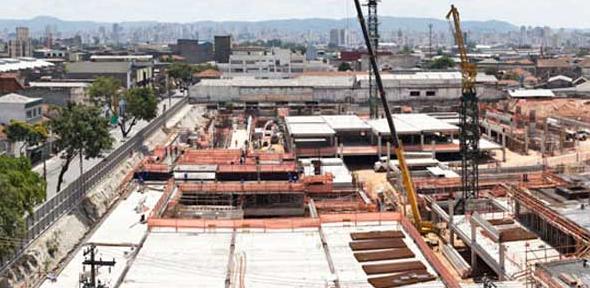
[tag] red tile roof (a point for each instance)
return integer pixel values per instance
(9, 83)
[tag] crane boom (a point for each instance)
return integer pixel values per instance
(470, 133)
(408, 184)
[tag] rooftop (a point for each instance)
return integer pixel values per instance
(11, 64)
(532, 93)
(59, 84)
(98, 67)
(17, 98)
(412, 124)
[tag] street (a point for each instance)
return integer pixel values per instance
(54, 163)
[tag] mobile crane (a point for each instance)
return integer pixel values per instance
(423, 226)
(470, 133)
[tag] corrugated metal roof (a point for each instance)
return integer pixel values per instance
(531, 93)
(11, 64)
(98, 67)
(16, 98)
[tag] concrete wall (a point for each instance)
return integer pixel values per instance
(17, 111)
(397, 92)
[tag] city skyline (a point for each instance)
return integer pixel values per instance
(183, 11)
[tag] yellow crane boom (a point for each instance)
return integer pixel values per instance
(468, 70)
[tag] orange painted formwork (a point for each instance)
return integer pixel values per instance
(155, 168)
(270, 224)
(438, 266)
(252, 188)
(160, 152)
(163, 201)
(316, 152)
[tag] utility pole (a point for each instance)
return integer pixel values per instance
(90, 260)
(373, 27)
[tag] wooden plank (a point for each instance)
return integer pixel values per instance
(401, 279)
(390, 254)
(516, 234)
(377, 235)
(505, 221)
(377, 244)
(413, 266)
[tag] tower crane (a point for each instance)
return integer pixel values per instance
(423, 226)
(470, 133)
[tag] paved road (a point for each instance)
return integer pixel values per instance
(54, 163)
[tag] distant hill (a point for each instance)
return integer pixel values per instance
(38, 24)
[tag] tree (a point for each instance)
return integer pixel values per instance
(202, 67)
(583, 52)
(21, 190)
(140, 104)
(180, 73)
(31, 135)
(443, 62)
(105, 91)
(80, 130)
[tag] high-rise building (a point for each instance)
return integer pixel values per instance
(222, 49)
(193, 51)
(21, 46)
(334, 37)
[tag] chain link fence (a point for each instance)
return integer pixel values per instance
(70, 197)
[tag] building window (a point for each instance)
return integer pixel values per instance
(430, 93)
(29, 114)
(415, 93)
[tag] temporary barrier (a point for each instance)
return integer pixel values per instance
(270, 224)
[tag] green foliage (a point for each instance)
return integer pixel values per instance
(443, 62)
(105, 90)
(344, 66)
(21, 190)
(180, 72)
(80, 129)
(142, 104)
(202, 67)
(31, 135)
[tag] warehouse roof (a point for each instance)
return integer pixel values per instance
(305, 81)
(11, 64)
(98, 67)
(532, 93)
(59, 84)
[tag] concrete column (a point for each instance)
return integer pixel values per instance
(379, 146)
(341, 151)
(503, 147)
(452, 231)
(336, 141)
(473, 243)
(433, 149)
(526, 143)
(502, 261)
(422, 141)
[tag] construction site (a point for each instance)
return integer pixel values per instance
(493, 194)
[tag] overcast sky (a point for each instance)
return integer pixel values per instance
(562, 13)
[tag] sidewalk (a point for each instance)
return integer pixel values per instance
(54, 163)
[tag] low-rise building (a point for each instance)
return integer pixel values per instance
(131, 74)
(21, 108)
(58, 93)
(342, 88)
